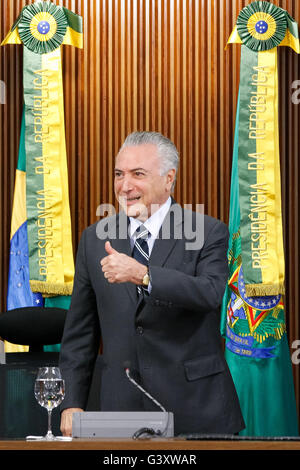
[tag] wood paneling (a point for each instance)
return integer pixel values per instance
(153, 65)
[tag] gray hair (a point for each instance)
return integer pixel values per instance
(167, 151)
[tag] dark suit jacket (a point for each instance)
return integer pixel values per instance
(171, 338)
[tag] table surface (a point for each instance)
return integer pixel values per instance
(149, 444)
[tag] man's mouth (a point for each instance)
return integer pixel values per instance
(131, 200)
(134, 206)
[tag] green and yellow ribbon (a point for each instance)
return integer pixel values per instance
(261, 27)
(31, 28)
(280, 28)
(42, 28)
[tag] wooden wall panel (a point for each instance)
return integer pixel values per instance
(153, 65)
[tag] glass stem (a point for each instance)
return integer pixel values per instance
(49, 433)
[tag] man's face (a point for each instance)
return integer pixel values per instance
(139, 187)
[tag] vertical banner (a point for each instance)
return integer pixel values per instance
(253, 317)
(41, 203)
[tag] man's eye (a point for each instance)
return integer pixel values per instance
(118, 174)
(139, 173)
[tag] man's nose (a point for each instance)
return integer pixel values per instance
(127, 184)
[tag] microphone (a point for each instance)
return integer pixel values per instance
(127, 371)
(147, 431)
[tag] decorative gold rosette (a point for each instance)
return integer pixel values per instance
(42, 27)
(262, 25)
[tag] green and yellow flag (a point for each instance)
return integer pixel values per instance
(253, 318)
(46, 229)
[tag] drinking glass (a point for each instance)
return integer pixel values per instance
(49, 391)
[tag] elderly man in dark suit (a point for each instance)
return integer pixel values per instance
(149, 283)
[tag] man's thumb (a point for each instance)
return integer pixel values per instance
(109, 249)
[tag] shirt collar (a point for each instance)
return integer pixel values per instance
(154, 222)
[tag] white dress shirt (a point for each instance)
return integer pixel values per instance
(152, 224)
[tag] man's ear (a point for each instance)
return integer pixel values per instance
(170, 179)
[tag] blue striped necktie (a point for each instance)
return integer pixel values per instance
(141, 250)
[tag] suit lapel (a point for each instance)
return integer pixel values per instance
(170, 232)
(121, 242)
(163, 245)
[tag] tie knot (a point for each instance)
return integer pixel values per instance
(142, 233)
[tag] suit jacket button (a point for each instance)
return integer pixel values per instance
(140, 330)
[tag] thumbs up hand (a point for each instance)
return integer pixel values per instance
(109, 249)
(118, 267)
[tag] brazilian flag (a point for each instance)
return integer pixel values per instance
(253, 316)
(19, 293)
(41, 258)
